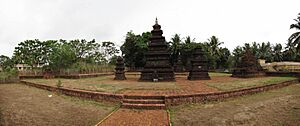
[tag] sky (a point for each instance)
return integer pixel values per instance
(234, 22)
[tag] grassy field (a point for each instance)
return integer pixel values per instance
(276, 107)
(214, 74)
(220, 81)
(24, 105)
(107, 84)
(246, 83)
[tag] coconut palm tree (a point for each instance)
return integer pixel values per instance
(214, 43)
(277, 53)
(265, 51)
(294, 39)
(175, 47)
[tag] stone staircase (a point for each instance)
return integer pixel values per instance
(143, 102)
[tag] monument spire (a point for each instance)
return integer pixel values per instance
(157, 66)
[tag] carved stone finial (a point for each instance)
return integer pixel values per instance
(156, 22)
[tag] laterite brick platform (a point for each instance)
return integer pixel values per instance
(158, 101)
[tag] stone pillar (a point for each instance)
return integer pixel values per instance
(120, 73)
(199, 70)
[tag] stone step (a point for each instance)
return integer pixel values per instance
(143, 106)
(144, 101)
(143, 97)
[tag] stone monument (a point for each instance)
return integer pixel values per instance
(248, 67)
(157, 65)
(120, 73)
(178, 66)
(199, 70)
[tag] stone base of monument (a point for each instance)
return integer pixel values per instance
(243, 73)
(198, 76)
(120, 76)
(161, 77)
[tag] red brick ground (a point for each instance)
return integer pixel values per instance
(134, 117)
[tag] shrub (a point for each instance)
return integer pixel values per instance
(59, 84)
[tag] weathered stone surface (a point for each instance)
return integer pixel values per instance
(178, 66)
(248, 67)
(157, 64)
(120, 73)
(199, 69)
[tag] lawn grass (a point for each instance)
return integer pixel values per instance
(107, 84)
(214, 74)
(280, 106)
(249, 82)
(220, 81)
(25, 105)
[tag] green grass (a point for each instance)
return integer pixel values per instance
(8, 74)
(264, 102)
(249, 82)
(214, 74)
(106, 84)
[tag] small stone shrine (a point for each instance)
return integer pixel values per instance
(248, 67)
(120, 73)
(158, 66)
(199, 70)
(178, 66)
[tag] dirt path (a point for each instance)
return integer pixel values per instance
(275, 107)
(28, 106)
(133, 117)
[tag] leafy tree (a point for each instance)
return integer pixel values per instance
(223, 61)
(214, 44)
(113, 60)
(29, 52)
(277, 53)
(186, 51)
(109, 49)
(294, 39)
(175, 47)
(47, 49)
(218, 56)
(6, 63)
(293, 46)
(62, 57)
(134, 48)
(83, 49)
(237, 54)
(265, 51)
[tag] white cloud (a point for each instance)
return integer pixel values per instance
(233, 21)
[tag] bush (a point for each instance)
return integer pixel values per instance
(8, 76)
(59, 84)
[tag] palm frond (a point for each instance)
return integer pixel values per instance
(296, 26)
(294, 36)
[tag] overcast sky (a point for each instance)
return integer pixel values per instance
(234, 22)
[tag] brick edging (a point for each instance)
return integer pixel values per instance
(170, 100)
(201, 97)
(97, 96)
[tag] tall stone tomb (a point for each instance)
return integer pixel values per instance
(248, 67)
(178, 66)
(199, 70)
(119, 70)
(158, 66)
